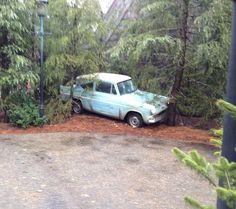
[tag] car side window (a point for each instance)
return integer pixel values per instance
(87, 86)
(103, 87)
(113, 90)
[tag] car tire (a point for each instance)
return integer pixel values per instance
(135, 120)
(77, 107)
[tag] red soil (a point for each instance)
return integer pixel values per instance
(98, 124)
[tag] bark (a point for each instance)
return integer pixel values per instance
(4, 93)
(229, 142)
(181, 65)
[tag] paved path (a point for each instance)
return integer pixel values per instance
(85, 171)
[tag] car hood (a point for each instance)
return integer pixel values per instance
(140, 98)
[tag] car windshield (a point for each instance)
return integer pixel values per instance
(126, 87)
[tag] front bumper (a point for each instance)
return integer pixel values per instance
(157, 118)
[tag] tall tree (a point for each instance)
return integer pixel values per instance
(15, 37)
(176, 48)
(207, 58)
(183, 31)
(75, 46)
(149, 46)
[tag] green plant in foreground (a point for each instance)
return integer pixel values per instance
(23, 110)
(26, 115)
(217, 140)
(222, 169)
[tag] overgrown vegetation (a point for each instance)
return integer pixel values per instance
(73, 47)
(151, 48)
(22, 110)
(222, 169)
(165, 38)
(57, 110)
(16, 65)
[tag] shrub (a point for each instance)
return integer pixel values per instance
(26, 115)
(57, 110)
(23, 110)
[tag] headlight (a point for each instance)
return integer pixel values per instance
(153, 110)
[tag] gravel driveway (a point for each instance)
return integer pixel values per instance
(87, 171)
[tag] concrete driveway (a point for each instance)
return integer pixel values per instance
(92, 171)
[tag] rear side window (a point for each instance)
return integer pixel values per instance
(103, 87)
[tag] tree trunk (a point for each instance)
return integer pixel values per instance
(181, 64)
(229, 142)
(4, 93)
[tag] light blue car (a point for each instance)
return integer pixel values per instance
(115, 95)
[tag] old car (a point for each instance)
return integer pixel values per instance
(116, 96)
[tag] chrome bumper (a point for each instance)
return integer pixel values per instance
(157, 118)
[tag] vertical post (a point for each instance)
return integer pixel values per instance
(229, 141)
(41, 105)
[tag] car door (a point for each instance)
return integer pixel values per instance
(87, 95)
(106, 99)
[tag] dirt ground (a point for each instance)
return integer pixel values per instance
(92, 123)
(97, 171)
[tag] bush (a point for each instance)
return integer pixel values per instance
(57, 110)
(18, 98)
(23, 110)
(26, 115)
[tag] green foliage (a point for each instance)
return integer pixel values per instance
(218, 134)
(222, 169)
(195, 204)
(23, 111)
(227, 172)
(196, 162)
(189, 105)
(77, 28)
(217, 140)
(146, 50)
(17, 98)
(227, 107)
(149, 50)
(26, 115)
(15, 41)
(228, 196)
(207, 60)
(57, 110)
(73, 48)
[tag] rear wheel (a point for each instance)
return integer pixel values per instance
(135, 120)
(77, 107)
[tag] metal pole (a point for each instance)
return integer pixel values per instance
(41, 105)
(229, 141)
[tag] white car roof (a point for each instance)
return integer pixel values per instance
(108, 77)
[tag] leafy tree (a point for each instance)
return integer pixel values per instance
(181, 65)
(75, 45)
(205, 77)
(175, 48)
(149, 47)
(15, 39)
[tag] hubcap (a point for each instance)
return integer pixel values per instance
(77, 108)
(134, 121)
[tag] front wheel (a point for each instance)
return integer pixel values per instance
(77, 107)
(135, 120)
